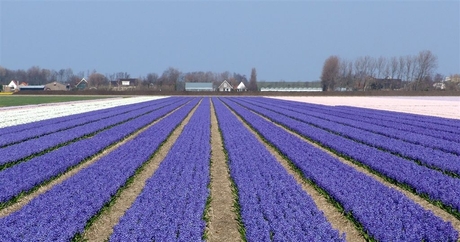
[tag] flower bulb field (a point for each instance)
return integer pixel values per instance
(190, 168)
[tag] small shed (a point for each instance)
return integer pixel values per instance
(225, 87)
(199, 86)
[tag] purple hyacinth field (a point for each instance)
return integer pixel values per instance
(233, 168)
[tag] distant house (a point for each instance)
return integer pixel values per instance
(241, 87)
(225, 87)
(13, 86)
(128, 82)
(123, 84)
(198, 86)
(56, 86)
(82, 84)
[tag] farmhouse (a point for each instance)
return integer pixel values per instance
(123, 84)
(199, 86)
(82, 84)
(12, 87)
(225, 87)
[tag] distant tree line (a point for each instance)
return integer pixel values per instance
(411, 72)
(170, 80)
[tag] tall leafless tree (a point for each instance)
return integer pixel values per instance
(253, 81)
(97, 80)
(425, 64)
(330, 73)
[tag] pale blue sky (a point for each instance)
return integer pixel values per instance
(287, 40)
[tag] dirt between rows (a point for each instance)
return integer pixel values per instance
(66, 175)
(222, 224)
(332, 214)
(102, 227)
(341, 225)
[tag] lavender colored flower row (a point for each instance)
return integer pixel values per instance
(385, 214)
(171, 205)
(25, 176)
(272, 202)
(412, 137)
(371, 116)
(63, 211)
(423, 180)
(426, 155)
(27, 148)
(56, 125)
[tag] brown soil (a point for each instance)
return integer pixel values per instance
(417, 199)
(422, 202)
(332, 214)
(44, 188)
(102, 227)
(222, 225)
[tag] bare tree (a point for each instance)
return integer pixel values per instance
(97, 80)
(408, 68)
(381, 64)
(253, 81)
(151, 80)
(330, 73)
(345, 78)
(401, 68)
(33, 76)
(169, 78)
(426, 63)
(394, 67)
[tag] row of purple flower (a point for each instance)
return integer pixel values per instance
(171, 205)
(421, 126)
(62, 212)
(273, 205)
(384, 213)
(17, 133)
(170, 208)
(31, 147)
(430, 157)
(423, 180)
(25, 176)
(377, 126)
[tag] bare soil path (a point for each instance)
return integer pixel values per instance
(332, 214)
(417, 199)
(222, 224)
(102, 227)
(22, 201)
